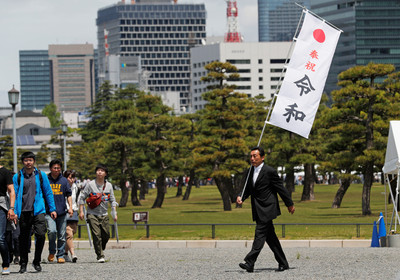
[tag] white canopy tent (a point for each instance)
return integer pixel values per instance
(392, 167)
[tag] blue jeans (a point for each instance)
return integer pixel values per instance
(3, 242)
(56, 231)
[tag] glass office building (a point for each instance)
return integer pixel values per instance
(35, 78)
(371, 33)
(161, 33)
(278, 19)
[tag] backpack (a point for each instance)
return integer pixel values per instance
(40, 178)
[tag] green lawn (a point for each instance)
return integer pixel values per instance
(205, 206)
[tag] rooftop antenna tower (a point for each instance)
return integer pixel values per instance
(106, 49)
(232, 36)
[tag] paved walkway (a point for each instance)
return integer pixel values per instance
(222, 263)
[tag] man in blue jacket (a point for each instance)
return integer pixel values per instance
(56, 228)
(31, 188)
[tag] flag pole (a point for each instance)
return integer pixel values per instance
(282, 73)
(276, 90)
(317, 16)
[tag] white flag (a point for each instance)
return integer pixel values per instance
(301, 90)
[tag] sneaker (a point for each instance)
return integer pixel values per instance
(61, 260)
(5, 271)
(74, 258)
(101, 260)
(16, 260)
(37, 267)
(66, 258)
(50, 258)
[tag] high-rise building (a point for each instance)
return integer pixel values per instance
(260, 66)
(73, 76)
(161, 34)
(63, 74)
(35, 79)
(278, 19)
(371, 33)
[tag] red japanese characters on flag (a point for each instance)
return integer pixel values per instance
(304, 82)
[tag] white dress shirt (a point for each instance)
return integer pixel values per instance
(256, 172)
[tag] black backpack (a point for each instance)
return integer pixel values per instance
(40, 178)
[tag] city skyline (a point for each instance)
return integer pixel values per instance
(33, 25)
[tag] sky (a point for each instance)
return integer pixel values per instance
(35, 24)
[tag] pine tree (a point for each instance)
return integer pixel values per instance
(220, 149)
(363, 104)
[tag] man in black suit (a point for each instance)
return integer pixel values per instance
(263, 185)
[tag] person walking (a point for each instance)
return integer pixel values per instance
(12, 236)
(7, 215)
(263, 185)
(56, 228)
(32, 188)
(72, 222)
(97, 216)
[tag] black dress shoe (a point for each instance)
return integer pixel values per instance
(22, 268)
(282, 267)
(37, 267)
(249, 268)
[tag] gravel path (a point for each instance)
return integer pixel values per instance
(186, 264)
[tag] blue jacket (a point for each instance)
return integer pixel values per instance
(38, 205)
(61, 190)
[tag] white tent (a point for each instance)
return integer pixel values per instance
(392, 166)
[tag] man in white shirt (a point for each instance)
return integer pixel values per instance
(263, 186)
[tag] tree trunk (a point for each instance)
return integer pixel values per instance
(124, 193)
(240, 181)
(189, 186)
(122, 182)
(366, 193)
(223, 185)
(369, 166)
(188, 190)
(161, 191)
(143, 189)
(134, 198)
(231, 189)
(289, 179)
(308, 190)
(345, 184)
(179, 188)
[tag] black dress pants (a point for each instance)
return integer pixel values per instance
(26, 222)
(265, 232)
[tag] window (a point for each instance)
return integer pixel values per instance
(278, 61)
(34, 131)
(238, 61)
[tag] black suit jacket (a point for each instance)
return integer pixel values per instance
(264, 198)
